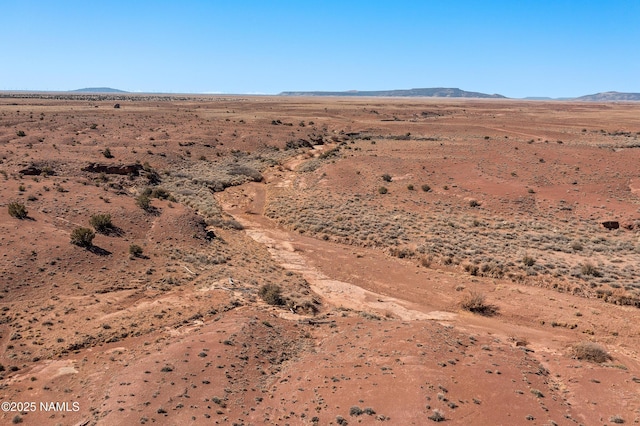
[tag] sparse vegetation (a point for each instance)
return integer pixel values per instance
(101, 222)
(82, 237)
(17, 210)
(271, 294)
(135, 250)
(386, 177)
(144, 202)
(590, 270)
(476, 302)
(382, 190)
(21, 133)
(426, 188)
(590, 351)
(355, 411)
(437, 416)
(107, 153)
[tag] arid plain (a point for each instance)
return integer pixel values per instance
(316, 261)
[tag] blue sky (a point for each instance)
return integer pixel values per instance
(516, 48)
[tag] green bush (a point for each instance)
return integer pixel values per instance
(101, 222)
(386, 177)
(82, 237)
(426, 188)
(17, 210)
(21, 133)
(382, 190)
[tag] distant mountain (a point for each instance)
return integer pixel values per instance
(609, 97)
(98, 90)
(435, 92)
(545, 98)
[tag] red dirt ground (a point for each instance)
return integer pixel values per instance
(372, 331)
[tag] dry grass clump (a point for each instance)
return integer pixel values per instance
(476, 302)
(590, 351)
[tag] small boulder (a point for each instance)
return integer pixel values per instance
(31, 171)
(611, 224)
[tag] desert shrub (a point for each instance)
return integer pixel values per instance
(437, 416)
(426, 188)
(153, 177)
(17, 210)
(21, 133)
(410, 187)
(528, 261)
(144, 202)
(135, 250)
(590, 351)
(330, 153)
(272, 294)
(537, 393)
(82, 237)
(107, 153)
(474, 203)
(225, 224)
(472, 269)
(355, 411)
(401, 252)
(101, 222)
(159, 193)
(590, 269)
(616, 419)
(386, 177)
(382, 190)
(247, 171)
(476, 303)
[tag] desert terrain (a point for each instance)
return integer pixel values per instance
(318, 261)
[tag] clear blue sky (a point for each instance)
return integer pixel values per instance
(513, 47)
